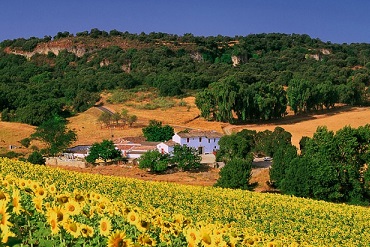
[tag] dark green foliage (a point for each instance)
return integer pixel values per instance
(267, 142)
(154, 161)
(155, 132)
(236, 174)
(283, 157)
(185, 158)
(26, 142)
(55, 135)
(182, 157)
(249, 101)
(332, 166)
(32, 90)
(237, 145)
(10, 155)
(104, 150)
(36, 158)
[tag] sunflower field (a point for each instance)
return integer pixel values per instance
(43, 206)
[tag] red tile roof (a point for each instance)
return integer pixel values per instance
(200, 133)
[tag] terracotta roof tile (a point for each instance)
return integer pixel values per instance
(200, 133)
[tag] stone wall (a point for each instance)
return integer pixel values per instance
(65, 162)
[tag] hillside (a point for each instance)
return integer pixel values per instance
(67, 73)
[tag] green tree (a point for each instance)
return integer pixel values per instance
(236, 174)
(155, 132)
(267, 142)
(36, 158)
(55, 134)
(299, 93)
(132, 119)
(105, 118)
(154, 161)
(116, 117)
(236, 145)
(104, 150)
(281, 162)
(185, 158)
(26, 142)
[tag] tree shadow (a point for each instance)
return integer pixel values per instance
(301, 117)
(201, 168)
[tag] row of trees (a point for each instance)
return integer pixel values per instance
(331, 166)
(117, 119)
(251, 100)
(237, 151)
(248, 101)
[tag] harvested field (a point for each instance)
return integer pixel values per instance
(89, 130)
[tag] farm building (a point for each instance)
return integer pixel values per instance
(206, 142)
(133, 148)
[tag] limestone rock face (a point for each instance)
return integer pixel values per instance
(238, 60)
(126, 67)
(104, 62)
(197, 56)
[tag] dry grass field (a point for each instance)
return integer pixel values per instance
(89, 130)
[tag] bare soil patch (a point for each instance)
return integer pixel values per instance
(204, 177)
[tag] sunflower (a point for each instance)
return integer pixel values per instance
(165, 238)
(22, 183)
(146, 240)
(16, 202)
(105, 226)
(192, 235)
(52, 219)
(62, 215)
(272, 244)
(233, 241)
(34, 186)
(118, 239)
(178, 219)
(72, 228)
(206, 237)
(4, 197)
(40, 192)
(52, 189)
(72, 207)
(79, 197)
(5, 183)
(142, 225)
(86, 231)
(62, 198)
(133, 217)
(4, 216)
(5, 234)
(37, 201)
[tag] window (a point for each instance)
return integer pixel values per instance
(187, 139)
(200, 139)
(209, 140)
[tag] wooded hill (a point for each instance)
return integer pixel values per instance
(234, 78)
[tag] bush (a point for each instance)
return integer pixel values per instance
(185, 158)
(154, 160)
(36, 158)
(236, 174)
(10, 155)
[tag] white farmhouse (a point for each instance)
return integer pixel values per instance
(206, 142)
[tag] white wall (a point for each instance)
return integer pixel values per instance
(208, 145)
